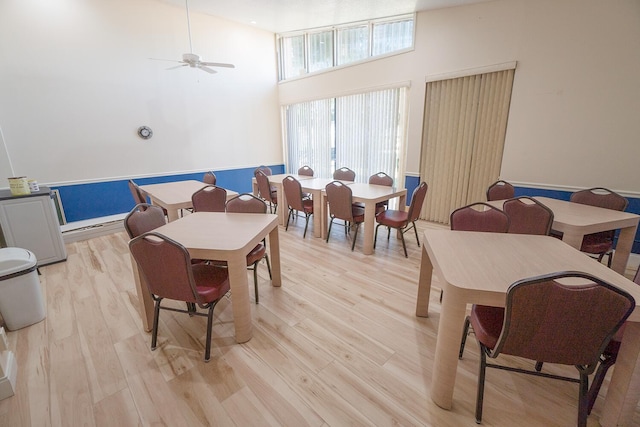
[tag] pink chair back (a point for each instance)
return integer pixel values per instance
(142, 219)
(246, 203)
(209, 199)
(528, 216)
(479, 217)
(500, 190)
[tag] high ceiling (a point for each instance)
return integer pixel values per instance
(280, 16)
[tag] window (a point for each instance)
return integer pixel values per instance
(306, 52)
(365, 132)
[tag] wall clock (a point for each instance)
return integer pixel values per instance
(145, 132)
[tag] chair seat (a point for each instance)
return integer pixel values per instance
(358, 213)
(256, 254)
(211, 281)
(307, 204)
(487, 323)
(596, 243)
(393, 218)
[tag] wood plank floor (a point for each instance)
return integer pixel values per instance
(338, 344)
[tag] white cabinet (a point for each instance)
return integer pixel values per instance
(30, 222)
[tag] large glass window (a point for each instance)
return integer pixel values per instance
(306, 52)
(320, 51)
(292, 56)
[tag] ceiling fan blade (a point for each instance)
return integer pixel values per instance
(177, 66)
(218, 64)
(207, 69)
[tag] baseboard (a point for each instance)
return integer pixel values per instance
(96, 227)
(10, 368)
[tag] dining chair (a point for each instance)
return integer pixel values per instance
(341, 206)
(296, 201)
(210, 178)
(381, 178)
(264, 169)
(590, 314)
(266, 192)
(136, 192)
(607, 359)
(478, 217)
(599, 244)
(344, 174)
(248, 203)
(528, 216)
(403, 220)
(168, 272)
(209, 199)
(305, 171)
(142, 219)
(500, 190)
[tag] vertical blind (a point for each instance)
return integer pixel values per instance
(308, 137)
(368, 133)
(463, 139)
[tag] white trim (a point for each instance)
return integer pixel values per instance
(396, 85)
(632, 194)
(471, 71)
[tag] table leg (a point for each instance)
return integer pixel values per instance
(324, 215)
(274, 257)
(623, 249)
(144, 297)
(237, 267)
(573, 239)
(623, 393)
(445, 363)
(369, 226)
(424, 284)
(254, 187)
(283, 208)
(316, 196)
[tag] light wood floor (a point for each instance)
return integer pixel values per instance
(338, 344)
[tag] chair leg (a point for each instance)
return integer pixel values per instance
(375, 236)
(355, 235)
(156, 319)
(609, 259)
(266, 258)
(255, 279)
(207, 346)
(416, 231)
(481, 377)
(286, 228)
(329, 230)
(465, 332)
(306, 225)
(538, 366)
(598, 378)
(404, 245)
(583, 400)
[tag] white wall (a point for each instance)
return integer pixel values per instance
(576, 99)
(76, 83)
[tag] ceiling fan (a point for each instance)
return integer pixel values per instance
(191, 59)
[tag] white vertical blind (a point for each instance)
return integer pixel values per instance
(368, 130)
(308, 136)
(463, 140)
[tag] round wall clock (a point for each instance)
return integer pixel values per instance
(145, 132)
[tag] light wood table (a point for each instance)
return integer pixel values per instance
(276, 181)
(575, 220)
(477, 268)
(369, 194)
(228, 237)
(176, 195)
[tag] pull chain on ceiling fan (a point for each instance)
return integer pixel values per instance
(191, 59)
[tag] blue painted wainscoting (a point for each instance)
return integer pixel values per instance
(101, 199)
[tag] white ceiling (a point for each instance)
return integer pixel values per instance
(279, 16)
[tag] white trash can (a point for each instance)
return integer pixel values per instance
(21, 302)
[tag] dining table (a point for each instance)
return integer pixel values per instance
(226, 237)
(176, 195)
(575, 220)
(478, 268)
(369, 195)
